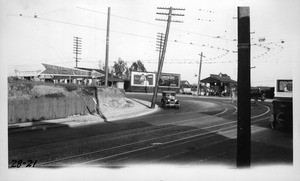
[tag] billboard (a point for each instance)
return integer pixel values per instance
(284, 88)
(143, 79)
(169, 80)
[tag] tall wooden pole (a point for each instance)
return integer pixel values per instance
(161, 61)
(244, 104)
(107, 47)
(162, 56)
(199, 75)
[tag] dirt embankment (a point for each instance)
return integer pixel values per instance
(108, 97)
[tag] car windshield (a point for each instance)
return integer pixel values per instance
(169, 95)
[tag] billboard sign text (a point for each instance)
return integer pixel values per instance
(169, 80)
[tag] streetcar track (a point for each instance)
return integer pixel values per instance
(112, 134)
(168, 126)
(195, 148)
(215, 131)
(151, 146)
(185, 122)
(130, 144)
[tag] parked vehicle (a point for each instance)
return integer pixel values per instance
(283, 104)
(257, 94)
(186, 91)
(169, 99)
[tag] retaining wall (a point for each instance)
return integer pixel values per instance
(48, 108)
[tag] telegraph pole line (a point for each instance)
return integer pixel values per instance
(198, 87)
(162, 56)
(107, 47)
(243, 158)
(76, 49)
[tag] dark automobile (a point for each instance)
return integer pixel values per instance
(169, 99)
(282, 113)
(257, 94)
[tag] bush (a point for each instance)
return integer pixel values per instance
(70, 87)
(54, 95)
(89, 90)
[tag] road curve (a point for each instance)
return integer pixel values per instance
(201, 131)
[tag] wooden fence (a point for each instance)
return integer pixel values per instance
(48, 108)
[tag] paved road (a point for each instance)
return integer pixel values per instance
(202, 131)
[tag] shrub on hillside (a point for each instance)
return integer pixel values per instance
(54, 95)
(70, 87)
(89, 90)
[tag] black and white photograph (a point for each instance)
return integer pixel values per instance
(150, 90)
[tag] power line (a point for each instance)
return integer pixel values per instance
(140, 21)
(131, 34)
(85, 26)
(263, 45)
(122, 17)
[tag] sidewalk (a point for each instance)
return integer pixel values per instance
(134, 108)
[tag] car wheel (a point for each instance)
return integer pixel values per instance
(278, 121)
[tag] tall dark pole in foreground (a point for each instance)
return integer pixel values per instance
(107, 47)
(243, 158)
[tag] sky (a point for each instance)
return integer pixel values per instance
(209, 27)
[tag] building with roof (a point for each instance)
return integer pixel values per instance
(219, 84)
(58, 74)
(111, 80)
(79, 75)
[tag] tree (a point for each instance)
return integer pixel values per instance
(137, 66)
(120, 69)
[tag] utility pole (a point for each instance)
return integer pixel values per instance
(159, 48)
(198, 87)
(162, 56)
(243, 158)
(160, 42)
(107, 47)
(77, 49)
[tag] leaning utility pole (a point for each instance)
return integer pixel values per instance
(162, 56)
(107, 47)
(198, 87)
(243, 158)
(76, 49)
